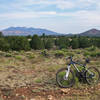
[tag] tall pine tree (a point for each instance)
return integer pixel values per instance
(36, 42)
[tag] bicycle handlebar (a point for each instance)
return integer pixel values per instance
(86, 60)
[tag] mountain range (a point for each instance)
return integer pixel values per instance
(91, 32)
(24, 31)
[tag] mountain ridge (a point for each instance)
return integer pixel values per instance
(24, 31)
(91, 32)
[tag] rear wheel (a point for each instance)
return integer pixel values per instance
(92, 76)
(61, 79)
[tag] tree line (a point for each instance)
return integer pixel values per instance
(36, 42)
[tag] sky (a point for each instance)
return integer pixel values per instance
(62, 16)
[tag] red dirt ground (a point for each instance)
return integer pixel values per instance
(33, 93)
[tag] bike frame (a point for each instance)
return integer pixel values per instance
(74, 64)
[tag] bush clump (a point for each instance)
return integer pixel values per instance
(70, 53)
(18, 57)
(31, 56)
(86, 53)
(38, 80)
(59, 53)
(92, 54)
(8, 55)
(45, 53)
(4, 45)
(92, 48)
(2, 53)
(95, 54)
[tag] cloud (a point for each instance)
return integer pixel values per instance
(83, 15)
(60, 13)
(61, 4)
(24, 15)
(65, 4)
(27, 5)
(24, 4)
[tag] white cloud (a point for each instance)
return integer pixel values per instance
(65, 4)
(62, 4)
(24, 15)
(89, 16)
(74, 14)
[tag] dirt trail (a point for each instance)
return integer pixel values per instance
(38, 92)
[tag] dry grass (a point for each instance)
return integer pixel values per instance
(33, 68)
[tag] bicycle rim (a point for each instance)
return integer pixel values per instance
(92, 76)
(62, 82)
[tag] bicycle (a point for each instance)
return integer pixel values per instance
(65, 77)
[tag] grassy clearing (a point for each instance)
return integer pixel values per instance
(42, 69)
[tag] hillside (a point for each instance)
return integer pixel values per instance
(91, 32)
(24, 31)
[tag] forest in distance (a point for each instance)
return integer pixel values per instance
(36, 42)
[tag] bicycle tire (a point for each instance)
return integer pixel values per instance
(65, 85)
(89, 78)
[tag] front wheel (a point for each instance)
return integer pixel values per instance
(61, 79)
(92, 75)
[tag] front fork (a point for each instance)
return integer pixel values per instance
(67, 71)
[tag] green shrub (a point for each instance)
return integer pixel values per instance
(92, 54)
(86, 53)
(59, 53)
(31, 56)
(18, 43)
(48, 44)
(62, 42)
(18, 57)
(76, 82)
(78, 51)
(2, 53)
(16, 53)
(97, 54)
(38, 80)
(8, 55)
(45, 53)
(92, 48)
(64, 50)
(22, 52)
(74, 43)
(53, 68)
(4, 45)
(70, 53)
